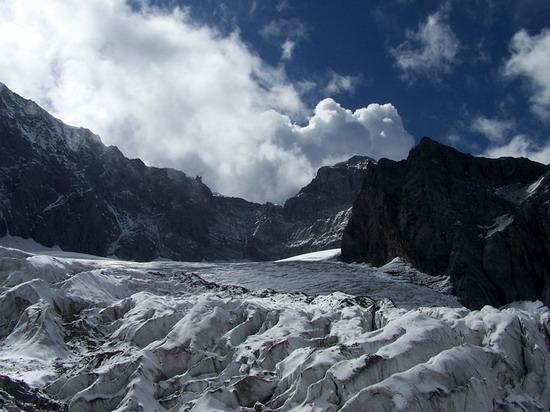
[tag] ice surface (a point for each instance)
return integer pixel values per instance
(103, 334)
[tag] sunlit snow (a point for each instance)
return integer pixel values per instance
(309, 335)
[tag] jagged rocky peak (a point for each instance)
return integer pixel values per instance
(492, 172)
(334, 187)
(40, 128)
(445, 212)
(357, 161)
(61, 186)
(312, 220)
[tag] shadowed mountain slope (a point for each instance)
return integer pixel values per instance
(483, 222)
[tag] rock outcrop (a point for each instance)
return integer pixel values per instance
(482, 222)
(315, 218)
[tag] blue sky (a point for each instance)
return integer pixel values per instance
(355, 38)
(255, 96)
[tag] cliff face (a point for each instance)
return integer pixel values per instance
(483, 222)
(61, 186)
(334, 189)
(312, 220)
(320, 211)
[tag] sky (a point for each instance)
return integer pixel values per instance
(255, 96)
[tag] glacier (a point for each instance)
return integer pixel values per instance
(103, 334)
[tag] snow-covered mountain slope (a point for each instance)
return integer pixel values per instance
(108, 335)
(59, 185)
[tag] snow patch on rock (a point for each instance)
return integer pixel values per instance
(314, 256)
(500, 224)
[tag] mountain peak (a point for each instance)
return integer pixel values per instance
(426, 140)
(430, 151)
(39, 127)
(357, 162)
(449, 213)
(429, 145)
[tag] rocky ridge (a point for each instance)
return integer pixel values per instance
(482, 222)
(59, 185)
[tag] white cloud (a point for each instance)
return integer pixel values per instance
(282, 6)
(521, 146)
(181, 95)
(339, 83)
(493, 129)
(432, 48)
(253, 7)
(288, 49)
(291, 31)
(531, 58)
(454, 139)
(333, 133)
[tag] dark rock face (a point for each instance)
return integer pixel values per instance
(312, 220)
(320, 211)
(61, 186)
(483, 222)
(334, 187)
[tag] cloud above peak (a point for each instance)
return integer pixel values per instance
(530, 59)
(430, 49)
(333, 133)
(521, 146)
(496, 130)
(178, 94)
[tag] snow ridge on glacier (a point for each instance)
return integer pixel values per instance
(110, 335)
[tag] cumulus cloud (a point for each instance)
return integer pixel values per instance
(521, 146)
(432, 48)
(495, 130)
(182, 95)
(376, 130)
(531, 59)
